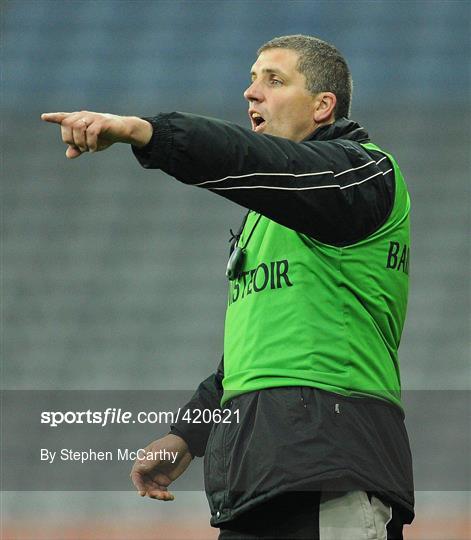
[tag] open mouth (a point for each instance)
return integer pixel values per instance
(257, 121)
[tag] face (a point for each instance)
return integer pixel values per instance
(279, 103)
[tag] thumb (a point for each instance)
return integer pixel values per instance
(72, 152)
(54, 117)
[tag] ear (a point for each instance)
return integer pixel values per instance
(324, 107)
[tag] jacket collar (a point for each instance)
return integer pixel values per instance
(340, 129)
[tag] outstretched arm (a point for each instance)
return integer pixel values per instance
(332, 190)
(86, 131)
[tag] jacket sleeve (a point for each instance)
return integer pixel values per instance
(207, 396)
(333, 191)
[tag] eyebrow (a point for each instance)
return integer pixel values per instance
(270, 70)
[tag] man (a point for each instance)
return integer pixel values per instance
(317, 299)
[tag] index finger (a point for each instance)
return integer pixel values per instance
(55, 117)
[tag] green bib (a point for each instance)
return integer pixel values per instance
(304, 313)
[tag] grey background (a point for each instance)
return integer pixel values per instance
(113, 276)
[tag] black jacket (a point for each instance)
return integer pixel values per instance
(295, 438)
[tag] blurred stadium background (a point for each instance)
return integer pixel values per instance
(113, 276)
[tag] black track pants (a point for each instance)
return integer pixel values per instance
(354, 515)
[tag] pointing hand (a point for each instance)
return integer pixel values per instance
(85, 131)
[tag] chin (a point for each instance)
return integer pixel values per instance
(271, 132)
(278, 134)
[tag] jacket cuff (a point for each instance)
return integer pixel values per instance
(186, 438)
(156, 153)
(195, 435)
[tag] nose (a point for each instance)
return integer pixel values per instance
(253, 92)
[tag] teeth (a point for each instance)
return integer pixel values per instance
(257, 119)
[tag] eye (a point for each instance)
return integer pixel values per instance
(275, 82)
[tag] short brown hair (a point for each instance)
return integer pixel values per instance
(325, 69)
